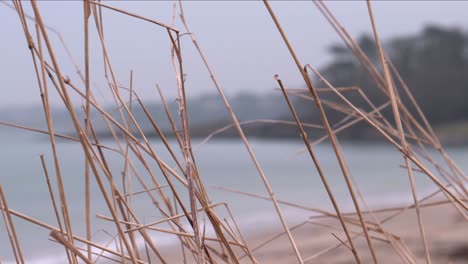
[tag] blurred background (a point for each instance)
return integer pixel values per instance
(427, 41)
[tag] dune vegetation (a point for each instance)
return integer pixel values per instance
(179, 194)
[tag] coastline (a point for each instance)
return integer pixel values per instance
(445, 231)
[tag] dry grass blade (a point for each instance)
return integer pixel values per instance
(133, 15)
(413, 158)
(76, 123)
(256, 121)
(54, 203)
(244, 139)
(332, 136)
(56, 235)
(396, 115)
(319, 170)
(10, 227)
(46, 106)
(87, 14)
(52, 228)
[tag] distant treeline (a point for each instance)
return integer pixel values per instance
(433, 63)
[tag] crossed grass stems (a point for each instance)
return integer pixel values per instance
(411, 135)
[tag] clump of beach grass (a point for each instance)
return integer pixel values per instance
(188, 212)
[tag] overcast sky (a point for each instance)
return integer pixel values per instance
(238, 38)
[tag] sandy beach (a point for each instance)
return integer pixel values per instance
(446, 232)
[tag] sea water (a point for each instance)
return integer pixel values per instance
(375, 167)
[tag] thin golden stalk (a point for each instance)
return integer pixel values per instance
(244, 140)
(52, 228)
(120, 199)
(147, 190)
(125, 174)
(46, 106)
(306, 141)
(454, 168)
(169, 218)
(324, 118)
(119, 99)
(54, 203)
(56, 235)
(255, 121)
(10, 227)
(169, 117)
(364, 60)
(396, 115)
(189, 162)
(133, 15)
(62, 136)
(76, 124)
(86, 14)
(414, 159)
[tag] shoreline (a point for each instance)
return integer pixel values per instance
(445, 231)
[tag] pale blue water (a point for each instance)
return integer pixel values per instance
(221, 163)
